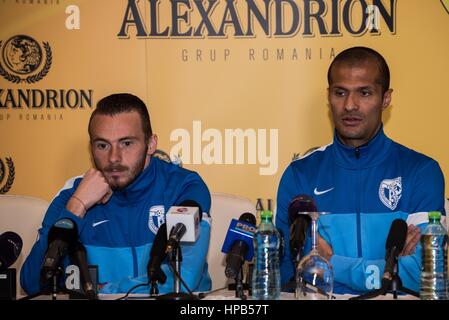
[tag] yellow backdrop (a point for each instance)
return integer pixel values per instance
(201, 85)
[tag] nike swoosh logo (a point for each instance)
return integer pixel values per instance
(316, 192)
(98, 223)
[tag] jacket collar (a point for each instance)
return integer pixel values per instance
(368, 155)
(143, 184)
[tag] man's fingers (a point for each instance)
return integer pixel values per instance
(106, 197)
(324, 248)
(413, 237)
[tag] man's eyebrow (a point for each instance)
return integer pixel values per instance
(99, 139)
(121, 139)
(357, 88)
(337, 87)
(128, 138)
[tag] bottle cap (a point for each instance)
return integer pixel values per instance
(434, 215)
(266, 214)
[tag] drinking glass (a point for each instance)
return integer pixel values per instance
(314, 274)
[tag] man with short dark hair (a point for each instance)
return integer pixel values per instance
(363, 179)
(119, 205)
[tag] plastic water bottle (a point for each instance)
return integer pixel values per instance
(434, 260)
(266, 280)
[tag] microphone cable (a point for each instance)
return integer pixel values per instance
(202, 295)
(125, 297)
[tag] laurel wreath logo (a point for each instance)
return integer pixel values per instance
(11, 175)
(34, 78)
(445, 4)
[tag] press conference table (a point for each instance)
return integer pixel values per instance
(224, 294)
(230, 295)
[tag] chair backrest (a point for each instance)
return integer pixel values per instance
(22, 215)
(224, 208)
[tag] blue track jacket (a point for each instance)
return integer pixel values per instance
(364, 189)
(119, 234)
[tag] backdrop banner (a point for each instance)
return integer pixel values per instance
(236, 89)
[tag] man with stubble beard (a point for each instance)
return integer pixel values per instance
(119, 205)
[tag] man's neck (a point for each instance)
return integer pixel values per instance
(357, 143)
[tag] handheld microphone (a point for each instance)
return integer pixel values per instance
(10, 248)
(157, 255)
(238, 244)
(62, 234)
(183, 223)
(394, 245)
(78, 257)
(299, 223)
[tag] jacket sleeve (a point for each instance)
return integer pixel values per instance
(194, 269)
(428, 189)
(193, 188)
(363, 275)
(30, 273)
(289, 187)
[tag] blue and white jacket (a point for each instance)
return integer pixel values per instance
(118, 235)
(364, 189)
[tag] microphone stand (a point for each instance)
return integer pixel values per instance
(175, 256)
(55, 289)
(154, 278)
(393, 286)
(239, 286)
(239, 293)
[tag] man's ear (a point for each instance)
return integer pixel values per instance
(152, 144)
(386, 100)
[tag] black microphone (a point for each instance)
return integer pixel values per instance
(394, 245)
(299, 224)
(176, 233)
(157, 256)
(62, 234)
(10, 248)
(183, 219)
(78, 256)
(239, 248)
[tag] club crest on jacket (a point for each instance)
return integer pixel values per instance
(390, 192)
(156, 218)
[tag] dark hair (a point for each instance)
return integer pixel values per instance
(357, 55)
(121, 103)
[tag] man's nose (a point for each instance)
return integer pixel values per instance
(351, 102)
(115, 154)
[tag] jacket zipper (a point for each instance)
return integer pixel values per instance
(131, 244)
(359, 232)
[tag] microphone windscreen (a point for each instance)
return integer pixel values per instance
(64, 229)
(397, 235)
(192, 203)
(248, 217)
(159, 242)
(10, 248)
(302, 203)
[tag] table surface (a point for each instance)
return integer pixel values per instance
(222, 294)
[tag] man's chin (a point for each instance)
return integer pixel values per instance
(118, 185)
(350, 133)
